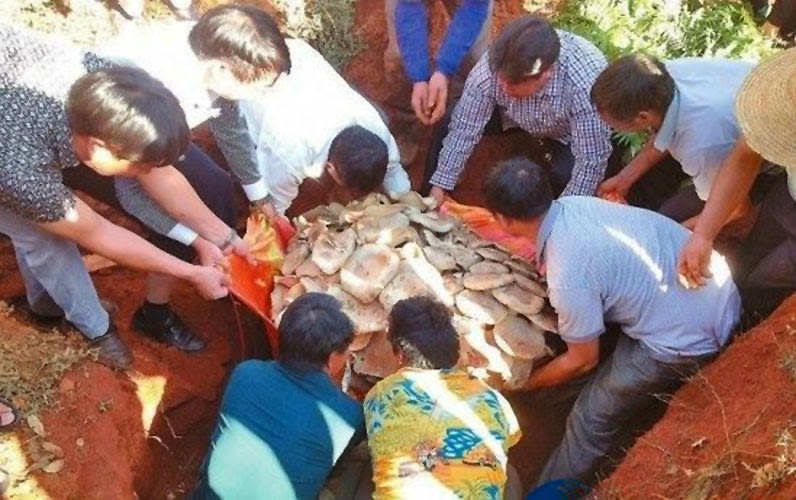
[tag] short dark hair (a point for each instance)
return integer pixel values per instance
(524, 49)
(421, 329)
(518, 188)
(312, 328)
(138, 118)
(632, 84)
(360, 157)
(248, 39)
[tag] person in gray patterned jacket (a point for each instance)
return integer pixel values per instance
(70, 120)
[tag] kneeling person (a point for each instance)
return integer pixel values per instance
(283, 424)
(607, 262)
(435, 431)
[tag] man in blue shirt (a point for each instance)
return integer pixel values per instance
(607, 262)
(283, 424)
(689, 105)
(465, 41)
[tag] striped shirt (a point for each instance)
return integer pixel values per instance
(562, 111)
(614, 263)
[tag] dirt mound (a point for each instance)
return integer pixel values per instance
(730, 433)
(140, 434)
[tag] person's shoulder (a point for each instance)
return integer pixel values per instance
(254, 367)
(581, 60)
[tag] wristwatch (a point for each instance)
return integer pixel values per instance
(233, 235)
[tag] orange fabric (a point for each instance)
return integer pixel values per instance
(483, 223)
(253, 284)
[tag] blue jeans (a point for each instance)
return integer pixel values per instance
(628, 381)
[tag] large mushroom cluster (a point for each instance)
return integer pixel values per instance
(372, 253)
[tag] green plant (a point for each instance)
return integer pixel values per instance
(328, 25)
(666, 30)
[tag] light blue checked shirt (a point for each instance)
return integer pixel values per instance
(700, 129)
(608, 262)
(562, 111)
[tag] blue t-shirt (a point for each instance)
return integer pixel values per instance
(280, 431)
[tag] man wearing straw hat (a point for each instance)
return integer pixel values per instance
(766, 111)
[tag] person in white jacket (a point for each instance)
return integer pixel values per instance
(312, 124)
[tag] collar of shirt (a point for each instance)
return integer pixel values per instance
(545, 229)
(665, 135)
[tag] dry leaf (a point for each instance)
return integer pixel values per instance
(35, 424)
(54, 467)
(52, 448)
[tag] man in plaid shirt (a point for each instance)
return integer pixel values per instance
(539, 80)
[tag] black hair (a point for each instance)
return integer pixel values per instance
(312, 328)
(360, 157)
(421, 329)
(248, 39)
(518, 188)
(136, 116)
(632, 84)
(524, 49)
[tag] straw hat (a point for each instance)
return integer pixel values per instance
(766, 109)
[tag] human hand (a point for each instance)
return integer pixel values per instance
(208, 253)
(420, 102)
(265, 207)
(692, 265)
(437, 96)
(438, 194)
(211, 282)
(614, 189)
(241, 247)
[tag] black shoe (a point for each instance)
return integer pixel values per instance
(112, 351)
(165, 326)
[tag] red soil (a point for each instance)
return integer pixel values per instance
(754, 399)
(727, 418)
(99, 425)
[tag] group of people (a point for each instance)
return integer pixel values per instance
(116, 125)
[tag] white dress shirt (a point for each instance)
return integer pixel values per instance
(294, 122)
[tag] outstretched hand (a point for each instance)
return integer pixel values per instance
(692, 266)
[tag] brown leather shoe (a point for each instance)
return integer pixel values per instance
(112, 351)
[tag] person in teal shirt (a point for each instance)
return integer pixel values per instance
(283, 424)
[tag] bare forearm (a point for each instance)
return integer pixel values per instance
(729, 190)
(100, 236)
(647, 158)
(172, 191)
(562, 369)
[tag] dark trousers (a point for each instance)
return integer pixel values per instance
(770, 250)
(211, 183)
(626, 384)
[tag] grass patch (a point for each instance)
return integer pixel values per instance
(787, 361)
(666, 30)
(783, 466)
(328, 25)
(32, 363)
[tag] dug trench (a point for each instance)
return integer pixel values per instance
(144, 433)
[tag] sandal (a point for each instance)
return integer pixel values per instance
(8, 415)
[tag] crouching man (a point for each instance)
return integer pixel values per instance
(607, 262)
(70, 120)
(435, 431)
(283, 424)
(287, 115)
